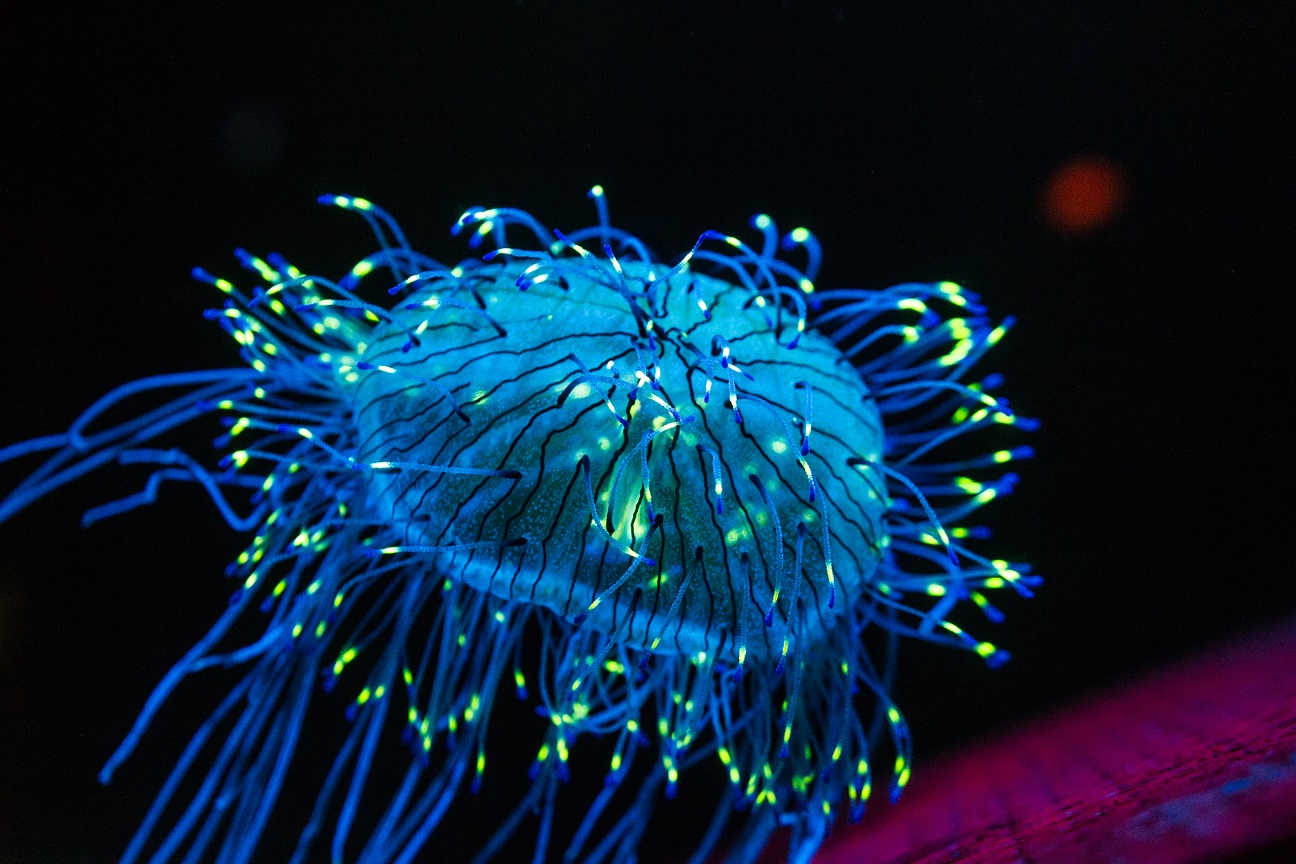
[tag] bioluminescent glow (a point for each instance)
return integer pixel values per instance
(712, 495)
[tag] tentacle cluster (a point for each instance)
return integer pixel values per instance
(784, 686)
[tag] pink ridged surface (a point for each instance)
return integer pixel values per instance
(1190, 764)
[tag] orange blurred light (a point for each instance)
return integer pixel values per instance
(1084, 194)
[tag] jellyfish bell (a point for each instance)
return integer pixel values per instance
(598, 445)
(667, 505)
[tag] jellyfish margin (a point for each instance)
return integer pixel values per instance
(403, 548)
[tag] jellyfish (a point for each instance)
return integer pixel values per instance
(646, 500)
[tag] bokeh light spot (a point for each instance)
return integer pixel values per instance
(252, 136)
(1084, 194)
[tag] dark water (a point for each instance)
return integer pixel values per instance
(916, 140)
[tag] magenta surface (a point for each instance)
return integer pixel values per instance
(1190, 764)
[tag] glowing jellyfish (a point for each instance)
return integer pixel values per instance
(711, 519)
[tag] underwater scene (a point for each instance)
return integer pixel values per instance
(654, 432)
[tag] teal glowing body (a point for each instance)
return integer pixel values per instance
(563, 392)
(713, 496)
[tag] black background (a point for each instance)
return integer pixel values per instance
(913, 138)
